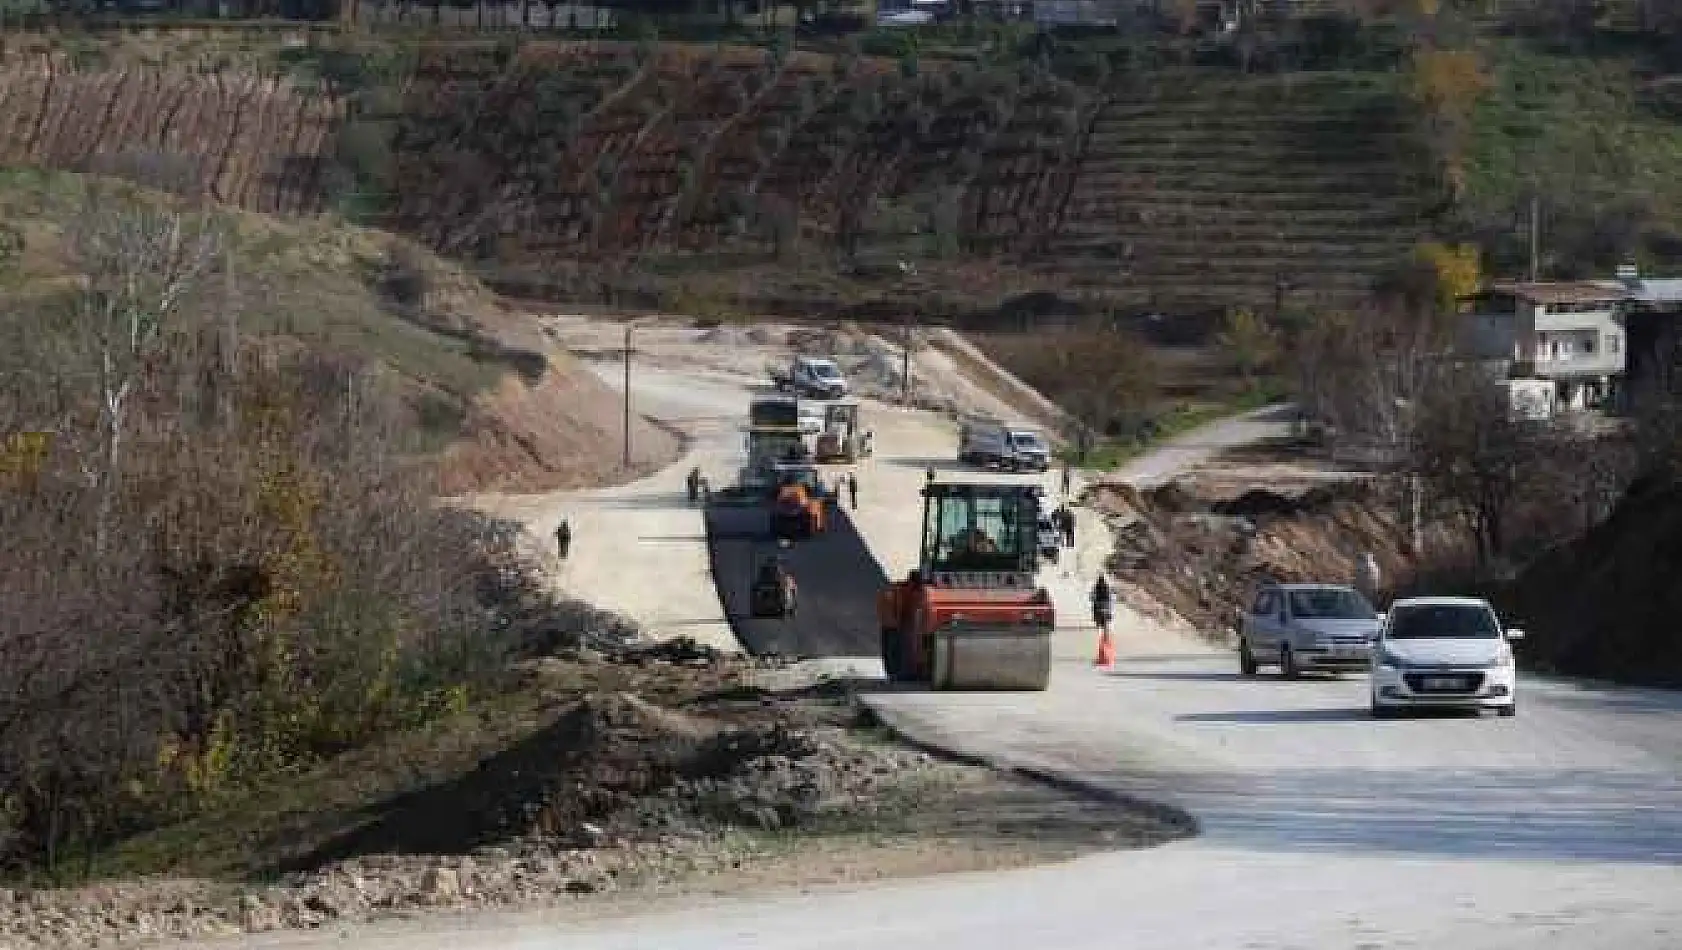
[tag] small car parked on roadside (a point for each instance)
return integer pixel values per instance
(1301, 627)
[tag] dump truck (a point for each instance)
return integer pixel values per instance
(971, 616)
(799, 504)
(774, 412)
(841, 441)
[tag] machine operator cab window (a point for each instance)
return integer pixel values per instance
(804, 476)
(969, 531)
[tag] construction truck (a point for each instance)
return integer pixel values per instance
(775, 435)
(971, 615)
(799, 503)
(774, 412)
(841, 441)
(986, 442)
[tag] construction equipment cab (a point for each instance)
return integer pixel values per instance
(971, 615)
(840, 441)
(799, 506)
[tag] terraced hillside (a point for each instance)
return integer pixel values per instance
(604, 149)
(252, 142)
(1208, 191)
(531, 158)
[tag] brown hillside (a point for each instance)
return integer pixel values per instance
(253, 142)
(507, 411)
(531, 158)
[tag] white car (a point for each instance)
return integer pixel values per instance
(816, 377)
(1443, 652)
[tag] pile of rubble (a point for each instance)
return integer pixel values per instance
(614, 791)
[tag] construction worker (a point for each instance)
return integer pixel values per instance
(1367, 575)
(853, 489)
(1103, 604)
(563, 538)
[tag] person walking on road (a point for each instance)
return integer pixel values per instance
(563, 538)
(853, 489)
(1068, 478)
(1367, 575)
(694, 484)
(1066, 525)
(1103, 604)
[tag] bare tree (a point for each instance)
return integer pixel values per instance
(141, 265)
(1361, 374)
(1476, 456)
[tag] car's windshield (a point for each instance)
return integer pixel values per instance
(1331, 604)
(823, 369)
(1026, 440)
(1447, 621)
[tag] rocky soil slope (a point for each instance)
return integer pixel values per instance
(641, 769)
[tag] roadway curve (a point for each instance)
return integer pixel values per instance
(1322, 829)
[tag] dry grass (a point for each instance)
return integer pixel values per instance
(514, 413)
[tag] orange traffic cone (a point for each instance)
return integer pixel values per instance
(1106, 649)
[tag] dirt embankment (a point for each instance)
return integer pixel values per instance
(873, 362)
(1192, 556)
(561, 430)
(595, 775)
(1607, 605)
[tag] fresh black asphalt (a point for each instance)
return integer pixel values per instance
(838, 579)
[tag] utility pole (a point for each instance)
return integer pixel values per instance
(628, 328)
(906, 270)
(1535, 236)
(905, 362)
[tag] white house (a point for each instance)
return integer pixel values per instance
(1572, 333)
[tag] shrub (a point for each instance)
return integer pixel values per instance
(226, 562)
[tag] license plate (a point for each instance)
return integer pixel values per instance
(1443, 683)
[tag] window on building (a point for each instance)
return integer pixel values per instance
(1588, 346)
(1613, 342)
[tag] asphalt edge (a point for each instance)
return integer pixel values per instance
(1169, 816)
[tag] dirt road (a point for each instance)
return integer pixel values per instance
(640, 549)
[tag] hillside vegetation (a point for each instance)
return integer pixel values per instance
(660, 172)
(1598, 139)
(529, 158)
